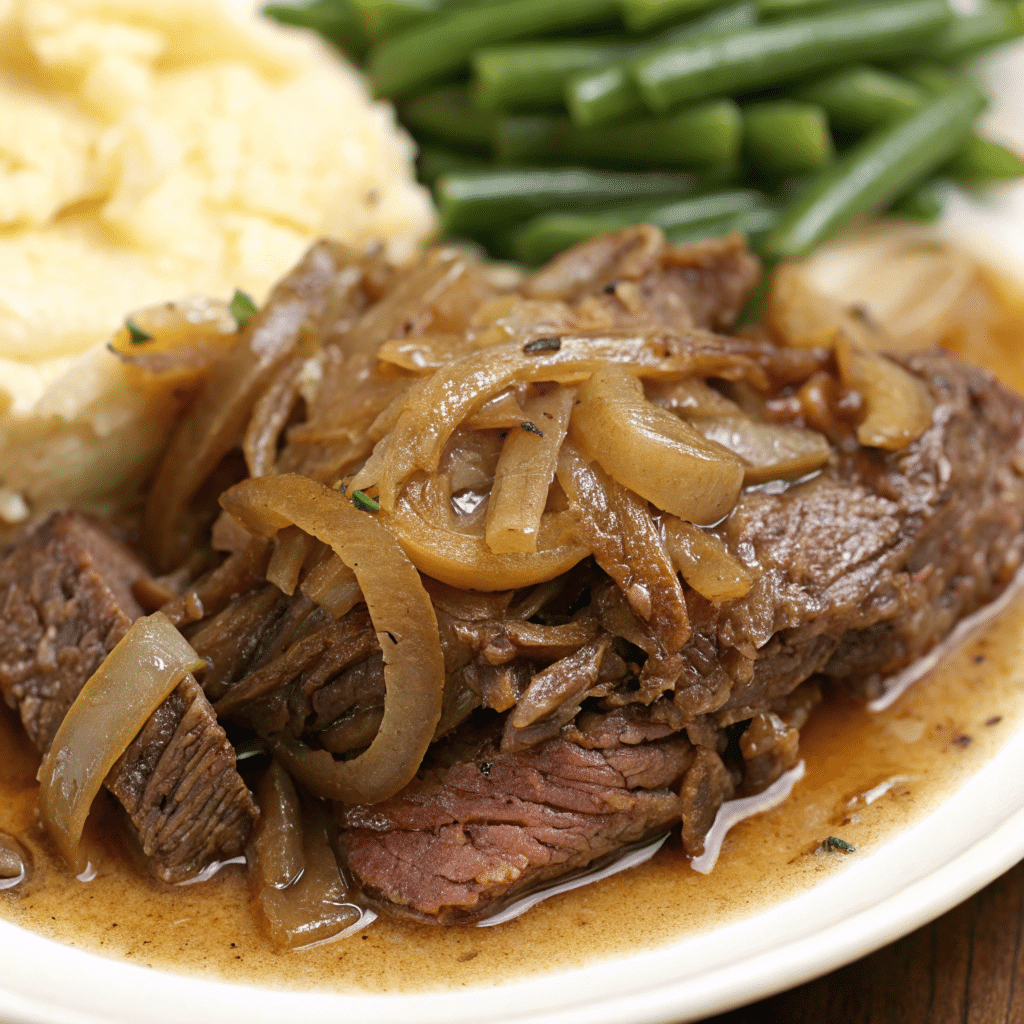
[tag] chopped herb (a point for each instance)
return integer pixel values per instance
(243, 309)
(611, 287)
(532, 428)
(136, 335)
(834, 843)
(364, 502)
(116, 352)
(542, 345)
(485, 768)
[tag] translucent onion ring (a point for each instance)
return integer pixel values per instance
(133, 681)
(402, 615)
(464, 561)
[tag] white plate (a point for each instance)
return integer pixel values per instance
(972, 838)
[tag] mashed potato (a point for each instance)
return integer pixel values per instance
(151, 149)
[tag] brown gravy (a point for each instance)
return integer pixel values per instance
(927, 745)
(939, 734)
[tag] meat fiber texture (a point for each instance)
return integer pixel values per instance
(577, 719)
(67, 601)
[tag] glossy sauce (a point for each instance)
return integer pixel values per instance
(910, 757)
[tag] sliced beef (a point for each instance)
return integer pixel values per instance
(67, 601)
(868, 566)
(859, 571)
(459, 839)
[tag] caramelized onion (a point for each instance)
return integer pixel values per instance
(770, 451)
(401, 613)
(647, 449)
(801, 316)
(277, 859)
(434, 407)
(314, 906)
(292, 547)
(464, 560)
(898, 405)
(218, 419)
(333, 586)
(134, 679)
(705, 562)
(525, 471)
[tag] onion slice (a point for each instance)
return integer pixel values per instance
(133, 681)
(652, 452)
(464, 561)
(401, 613)
(525, 471)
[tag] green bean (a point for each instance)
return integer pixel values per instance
(780, 51)
(449, 115)
(477, 201)
(755, 224)
(876, 171)
(443, 45)
(859, 99)
(433, 161)
(547, 235)
(707, 135)
(788, 8)
(336, 20)
(784, 137)
(609, 93)
(983, 160)
(529, 76)
(384, 18)
(644, 15)
(924, 203)
(990, 23)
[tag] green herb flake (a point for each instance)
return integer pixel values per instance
(243, 309)
(532, 428)
(364, 502)
(833, 843)
(485, 768)
(136, 335)
(542, 345)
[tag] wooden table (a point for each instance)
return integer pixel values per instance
(965, 968)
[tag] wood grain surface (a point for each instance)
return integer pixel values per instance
(965, 968)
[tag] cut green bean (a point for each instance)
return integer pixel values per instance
(785, 137)
(645, 15)
(707, 135)
(549, 234)
(983, 160)
(790, 8)
(874, 173)
(472, 202)
(609, 93)
(449, 115)
(384, 18)
(336, 20)
(780, 51)
(924, 203)
(443, 45)
(990, 23)
(433, 161)
(755, 224)
(531, 76)
(862, 98)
